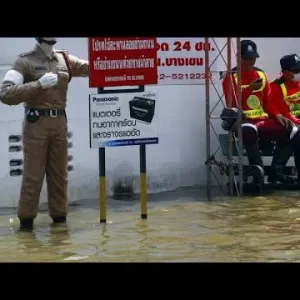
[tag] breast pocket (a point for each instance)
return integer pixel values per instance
(37, 74)
(62, 73)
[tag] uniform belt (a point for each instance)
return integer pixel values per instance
(48, 112)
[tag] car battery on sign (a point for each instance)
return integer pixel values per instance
(142, 109)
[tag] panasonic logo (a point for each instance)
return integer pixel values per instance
(105, 99)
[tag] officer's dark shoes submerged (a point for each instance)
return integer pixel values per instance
(59, 220)
(26, 224)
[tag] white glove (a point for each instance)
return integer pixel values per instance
(48, 80)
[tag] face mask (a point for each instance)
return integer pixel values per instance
(46, 44)
(296, 77)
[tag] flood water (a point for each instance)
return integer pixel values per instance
(181, 227)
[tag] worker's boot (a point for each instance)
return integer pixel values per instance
(255, 162)
(297, 163)
(282, 153)
(26, 224)
(251, 144)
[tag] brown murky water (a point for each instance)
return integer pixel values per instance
(180, 228)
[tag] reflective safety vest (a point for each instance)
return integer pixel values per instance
(253, 101)
(293, 101)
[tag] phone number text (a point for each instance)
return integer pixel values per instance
(184, 76)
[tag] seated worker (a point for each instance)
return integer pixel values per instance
(284, 101)
(256, 126)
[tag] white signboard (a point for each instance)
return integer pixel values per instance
(125, 119)
(181, 61)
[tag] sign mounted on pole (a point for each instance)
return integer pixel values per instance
(118, 120)
(122, 61)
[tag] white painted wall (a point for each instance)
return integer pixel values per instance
(177, 160)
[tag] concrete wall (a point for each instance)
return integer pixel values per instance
(177, 160)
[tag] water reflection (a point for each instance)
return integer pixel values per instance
(45, 244)
(181, 229)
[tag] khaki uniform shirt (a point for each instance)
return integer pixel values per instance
(33, 65)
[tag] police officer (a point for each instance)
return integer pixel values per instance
(257, 126)
(39, 79)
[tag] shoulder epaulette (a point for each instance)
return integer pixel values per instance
(61, 50)
(26, 53)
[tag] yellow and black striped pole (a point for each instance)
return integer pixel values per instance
(102, 185)
(143, 182)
